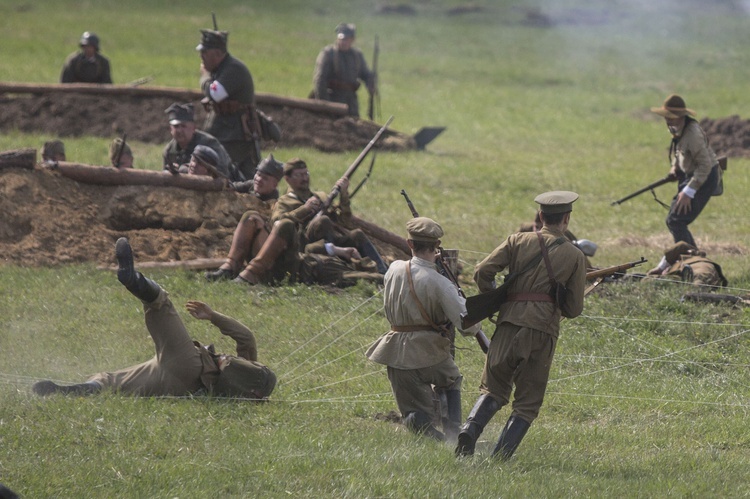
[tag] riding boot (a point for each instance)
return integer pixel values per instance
(483, 410)
(421, 424)
(47, 387)
(514, 431)
(264, 260)
(369, 250)
(451, 423)
(144, 289)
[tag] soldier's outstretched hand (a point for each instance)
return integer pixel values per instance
(199, 310)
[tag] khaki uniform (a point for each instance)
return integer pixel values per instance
(419, 360)
(182, 366)
(337, 74)
(523, 345)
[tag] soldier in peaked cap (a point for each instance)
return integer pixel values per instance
(87, 65)
(693, 164)
(339, 69)
(528, 323)
(186, 137)
(229, 98)
(419, 301)
(181, 366)
(253, 228)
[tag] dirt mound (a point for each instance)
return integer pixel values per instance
(728, 136)
(143, 119)
(49, 219)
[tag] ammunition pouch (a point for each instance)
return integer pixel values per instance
(559, 293)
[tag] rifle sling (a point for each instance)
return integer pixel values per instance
(440, 329)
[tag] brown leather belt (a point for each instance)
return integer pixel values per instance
(530, 297)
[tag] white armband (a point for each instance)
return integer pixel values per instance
(329, 249)
(217, 91)
(689, 192)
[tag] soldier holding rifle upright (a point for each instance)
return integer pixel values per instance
(550, 283)
(693, 164)
(229, 99)
(419, 304)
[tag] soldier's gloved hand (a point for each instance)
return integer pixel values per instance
(173, 168)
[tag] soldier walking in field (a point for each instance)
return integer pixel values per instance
(339, 69)
(181, 366)
(550, 284)
(419, 304)
(229, 99)
(693, 164)
(86, 65)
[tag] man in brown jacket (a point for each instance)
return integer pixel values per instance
(528, 323)
(181, 366)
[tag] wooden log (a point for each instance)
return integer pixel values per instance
(18, 158)
(181, 94)
(381, 234)
(108, 175)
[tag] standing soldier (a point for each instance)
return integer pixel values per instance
(229, 99)
(419, 302)
(87, 65)
(338, 69)
(693, 164)
(551, 280)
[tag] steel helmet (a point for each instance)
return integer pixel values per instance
(88, 38)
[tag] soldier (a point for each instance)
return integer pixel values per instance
(552, 276)
(120, 154)
(587, 247)
(338, 69)
(185, 137)
(53, 150)
(253, 228)
(693, 164)
(230, 101)
(688, 264)
(87, 65)
(419, 302)
(181, 366)
(296, 228)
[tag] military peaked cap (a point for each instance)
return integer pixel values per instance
(206, 155)
(556, 201)
(180, 113)
(346, 30)
(294, 164)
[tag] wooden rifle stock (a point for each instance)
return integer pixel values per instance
(665, 180)
(484, 305)
(445, 270)
(353, 167)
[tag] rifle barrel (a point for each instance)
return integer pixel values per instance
(647, 188)
(594, 274)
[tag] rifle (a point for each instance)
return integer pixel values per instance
(445, 270)
(353, 167)
(119, 151)
(140, 81)
(374, 94)
(484, 305)
(649, 187)
(213, 16)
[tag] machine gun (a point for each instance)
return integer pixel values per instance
(352, 168)
(484, 305)
(445, 270)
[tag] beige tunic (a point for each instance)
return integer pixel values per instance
(515, 253)
(440, 298)
(693, 155)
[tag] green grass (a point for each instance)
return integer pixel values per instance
(648, 395)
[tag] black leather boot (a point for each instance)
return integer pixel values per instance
(452, 423)
(421, 424)
(142, 288)
(47, 387)
(480, 415)
(369, 250)
(514, 431)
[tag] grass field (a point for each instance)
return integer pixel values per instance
(648, 394)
